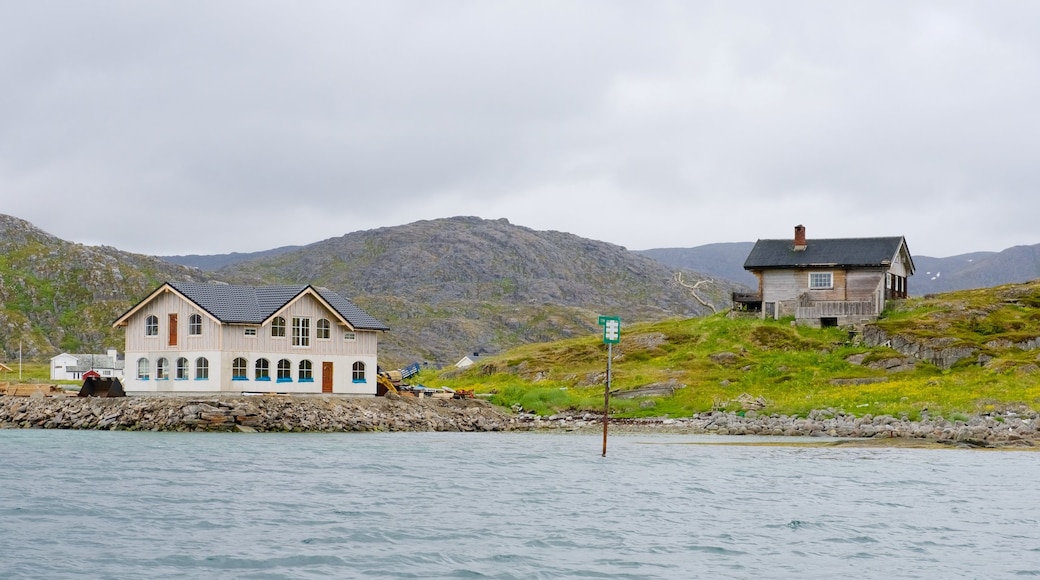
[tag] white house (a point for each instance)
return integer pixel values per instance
(467, 361)
(70, 367)
(191, 337)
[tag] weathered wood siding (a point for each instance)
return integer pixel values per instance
(789, 290)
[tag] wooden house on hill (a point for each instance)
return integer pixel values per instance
(190, 337)
(827, 282)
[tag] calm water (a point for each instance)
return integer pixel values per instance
(401, 505)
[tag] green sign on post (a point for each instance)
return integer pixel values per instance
(611, 336)
(611, 329)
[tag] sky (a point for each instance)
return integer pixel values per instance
(218, 126)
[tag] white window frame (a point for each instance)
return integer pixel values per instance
(195, 325)
(814, 276)
(350, 335)
(201, 369)
(240, 369)
(301, 331)
(151, 326)
(278, 327)
(323, 329)
(182, 369)
(249, 331)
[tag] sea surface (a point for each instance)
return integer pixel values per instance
(87, 504)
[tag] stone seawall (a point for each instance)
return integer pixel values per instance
(283, 414)
(1008, 429)
(220, 413)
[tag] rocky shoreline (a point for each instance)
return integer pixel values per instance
(342, 414)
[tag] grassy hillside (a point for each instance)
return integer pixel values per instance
(775, 367)
(59, 296)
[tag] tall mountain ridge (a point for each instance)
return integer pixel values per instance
(446, 287)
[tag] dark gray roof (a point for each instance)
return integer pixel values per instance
(841, 252)
(255, 304)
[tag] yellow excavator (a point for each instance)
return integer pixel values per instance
(384, 381)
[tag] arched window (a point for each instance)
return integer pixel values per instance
(239, 369)
(201, 368)
(195, 325)
(162, 369)
(359, 372)
(182, 369)
(278, 327)
(151, 326)
(306, 374)
(284, 371)
(142, 369)
(263, 370)
(324, 329)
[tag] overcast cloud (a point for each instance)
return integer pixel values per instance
(218, 126)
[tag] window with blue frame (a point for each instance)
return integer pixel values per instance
(201, 368)
(263, 370)
(306, 374)
(284, 371)
(359, 372)
(181, 372)
(240, 369)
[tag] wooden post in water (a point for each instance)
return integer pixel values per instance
(611, 335)
(606, 397)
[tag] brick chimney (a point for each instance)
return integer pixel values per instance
(799, 238)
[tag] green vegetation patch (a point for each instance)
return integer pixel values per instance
(718, 363)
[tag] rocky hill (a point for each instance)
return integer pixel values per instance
(722, 260)
(976, 270)
(449, 287)
(446, 287)
(61, 296)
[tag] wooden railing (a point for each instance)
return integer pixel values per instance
(828, 308)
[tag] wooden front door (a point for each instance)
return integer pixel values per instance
(326, 377)
(173, 330)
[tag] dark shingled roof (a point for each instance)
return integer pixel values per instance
(861, 252)
(255, 304)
